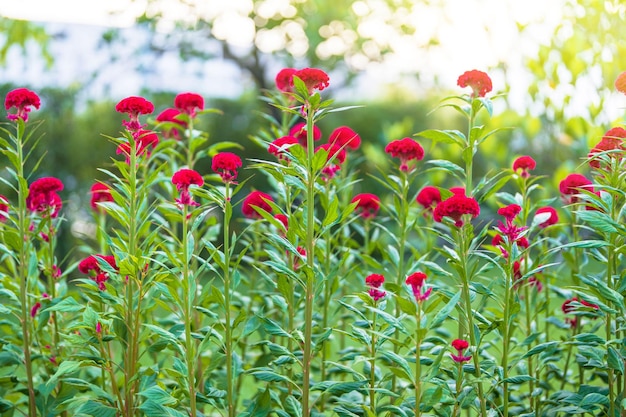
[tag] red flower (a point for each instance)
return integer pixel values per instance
(279, 146)
(313, 78)
(134, 106)
(100, 193)
(428, 197)
(256, 199)
(509, 229)
(302, 252)
(90, 266)
(367, 205)
(571, 186)
(336, 157)
(374, 281)
(145, 140)
(460, 345)
(553, 219)
(620, 83)
(188, 103)
(42, 196)
(4, 208)
(416, 281)
(477, 80)
(525, 164)
(344, 137)
(611, 141)
(509, 212)
(170, 116)
(406, 149)
(570, 306)
(283, 219)
(455, 207)
(298, 131)
(183, 179)
(22, 99)
(226, 164)
(284, 79)
(35, 309)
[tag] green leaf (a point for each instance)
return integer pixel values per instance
(594, 400)
(153, 409)
(518, 379)
(445, 311)
(614, 360)
(445, 136)
(270, 376)
(96, 409)
(338, 388)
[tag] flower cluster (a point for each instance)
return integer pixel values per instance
(335, 157)
(367, 205)
(374, 282)
(407, 150)
(572, 185)
(575, 305)
(4, 208)
(523, 164)
(298, 131)
(313, 78)
(100, 193)
(225, 164)
(134, 106)
(189, 103)
(477, 80)
(256, 199)
(170, 116)
(611, 145)
(183, 179)
(145, 141)
(279, 146)
(456, 207)
(344, 137)
(416, 282)
(460, 345)
(43, 198)
(428, 198)
(22, 99)
(91, 266)
(551, 215)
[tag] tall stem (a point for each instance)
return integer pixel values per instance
(230, 397)
(506, 336)
(374, 340)
(418, 362)
(189, 289)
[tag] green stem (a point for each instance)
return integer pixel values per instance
(459, 387)
(418, 362)
(374, 340)
(508, 284)
(230, 397)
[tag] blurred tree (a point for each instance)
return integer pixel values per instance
(19, 33)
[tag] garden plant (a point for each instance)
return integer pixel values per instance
(200, 296)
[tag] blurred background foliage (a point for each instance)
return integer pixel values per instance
(563, 114)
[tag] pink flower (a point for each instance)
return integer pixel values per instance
(56, 272)
(509, 229)
(406, 149)
(613, 140)
(281, 145)
(284, 220)
(336, 157)
(313, 78)
(456, 207)
(226, 164)
(256, 199)
(183, 179)
(367, 205)
(42, 196)
(284, 79)
(22, 99)
(170, 116)
(570, 306)
(100, 193)
(572, 185)
(428, 198)
(90, 266)
(374, 281)
(477, 80)
(145, 141)
(134, 106)
(188, 103)
(4, 208)
(553, 219)
(302, 252)
(298, 131)
(35, 309)
(416, 282)
(460, 345)
(98, 328)
(524, 164)
(344, 137)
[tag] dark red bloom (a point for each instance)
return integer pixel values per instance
(100, 193)
(509, 212)
(509, 229)
(374, 281)
(183, 179)
(553, 219)
(524, 164)
(458, 190)
(572, 185)
(42, 196)
(479, 82)
(570, 306)
(302, 252)
(90, 266)
(416, 281)
(336, 157)
(367, 205)
(344, 137)
(170, 115)
(226, 164)
(256, 199)
(22, 99)
(313, 78)
(188, 103)
(283, 219)
(429, 197)
(4, 208)
(35, 308)
(298, 131)
(145, 141)
(456, 207)
(279, 146)
(284, 79)
(613, 140)
(406, 149)
(460, 345)
(134, 106)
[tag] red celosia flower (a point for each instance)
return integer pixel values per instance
(613, 140)
(416, 281)
(569, 306)
(302, 252)
(35, 309)
(56, 272)
(553, 219)
(429, 197)
(170, 116)
(226, 164)
(374, 281)
(298, 131)
(100, 193)
(134, 106)
(284, 79)
(509, 212)
(477, 80)
(336, 157)
(4, 208)
(188, 103)
(313, 78)
(509, 229)
(42, 197)
(524, 164)
(367, 205)
(406, 149)
(183, 179)
(572, 185)
(90, 266)
(256, 199)
(279, 146)
(455, 207)
(460, 345)
(145, 141)
(22, 99)
(458, 190)
(620, 83)
(283, 219)
(344, 137)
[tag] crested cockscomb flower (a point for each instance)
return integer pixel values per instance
(91, 266)
(460, 345)
(613, 140)
(183, 179)
(284, 79)
(100, 193)
(509, 229)
(374, 282)
(456, 207)
(336, 156)
(577, 305)
(572, 185)
(22, 99)
(170, 115)
(523, 164)
(189, 103)
(283, 219)
(134, 106)
(479, 82)
(4, 208)
(416, 282)
(256, 199)
(428, 198)
(549, 211)
(42, 196)
(406, 149)
(226, 164)
(313, 78)
(279, 146)
(367, 205)
(145, 141)
(298, 131)
(344, 137)
(34, 309)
